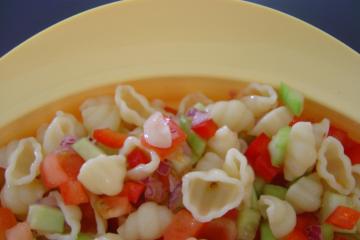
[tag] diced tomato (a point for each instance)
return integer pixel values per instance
(339, 236)
(133, 191)
(111, 207)
(88, 221)
(232, 214)
(109, 137)
(344, 217)
(296, 234)
(59, 167)
(205, 129)
(257, 147)
(136, 157)
(19, 231)
(7, 221)
(182, 226)
(170, 110)
(304, 220)
(343, 137)
(220, 228)
(73, 193)
(354, 154)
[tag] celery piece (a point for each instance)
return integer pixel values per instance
(82, 236)
(259, 184)
(265, 232)
(86, 149)
(292, 99)
(327, 233)
(331, 201)
(196, 143)
(277, 146)
(247, 223)
(199, 106)
(46, 219)
(275, 190)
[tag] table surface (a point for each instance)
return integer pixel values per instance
(20, 19)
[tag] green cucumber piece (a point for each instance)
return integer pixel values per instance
(277, 146)
(247, 223)
(292, 99)
(46, 219)
(259, 184)
(86, 149)
(196, 143)
(83, 236)
(327, 233)
(265, 232)
(275, 190)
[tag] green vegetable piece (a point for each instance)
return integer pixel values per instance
(292, 99)
(86, 149)
(83, 236)
(327, 232)
(331, 201)
(46, 219)
(199, 106)
(275, 190)
(254, 199)
(259, 184)
(277, 146)
(247, 223)
(196, 143)
(265, 232)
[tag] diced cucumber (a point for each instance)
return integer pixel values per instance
(331, 201)
(259, 184)
(196, 143)
(83, 236)
(199, 106)
(292, 99)
(275, 190)
(265, 232)
(247, 223)
(327, 232)
(86, 149)
(277, 146)
(46, 219)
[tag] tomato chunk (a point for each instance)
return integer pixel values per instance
(133, 191)
(109, 137)
(296, 234)
(206, 129)
(7, 221)
(136, 157)
(344, 217)
(88, 221)
(73, 193)
(111, 207)
(220, 228)
(19, 231)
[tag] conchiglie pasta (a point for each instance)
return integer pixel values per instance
(209, 161)
(100, 112)
(62, 125)
(148, 222)
(356, 174)
(259, 99)
(301, 151)
(233, 114)
(305, 194)
(209, 195)
(272, 121)
(222, 141)
(190, 100)
(5, 153)
(321, 131)
(134, 108)
(280, 214)
(334, 166)
(24, 162)
(103, 174)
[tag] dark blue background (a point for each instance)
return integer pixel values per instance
(20, 19)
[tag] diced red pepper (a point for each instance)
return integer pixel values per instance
(340, 236)
(170, 110)
(354, 154)
(296, 234)
(205, 129)
(343, 137)
(88, 221)
(7, 221)
(136, 157)
(111, 207)
(109, 137)
(344, 217)
(232, 214)
(220, 228)
(133, 191)
(73, 193)
(257, 147)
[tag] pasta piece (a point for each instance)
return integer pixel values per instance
(62, 125)
(222, 141)
(280, 214)
(271, 122)
(148, 222)
(24, 162)
(134, 108)
(141, 171)
(5, 153)
(19, 198)
(334, 166)
(305, 194)
(260, 98)
(209, 161)
(321, 131)
(72, 216)
(209, 195)
(233, 114)
(109, 236)
(103, 174)
(40, 132)
(300, 152)
(100, 112)
(356, 173)
(101, 223)
(190, 100)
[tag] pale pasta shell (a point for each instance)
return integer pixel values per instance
(222, 141)
(5, 153)
(334, 166)
(209, 161)
(190, 100)
(321, 131)
(134, 108)
(356, 174)
(148, 222)
(280, 214)
(209, 195)
(101, 223)
(300, 152)
(103, 174)
(272, 121)
(141, 171)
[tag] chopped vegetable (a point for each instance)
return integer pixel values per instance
(232, 214)
(277, 146)
(19, 231)
(304, 220)
(220, 228)
(196, 143)
(313, 232)
(7, 221)
(181, 163)
(170, 110)
(46, 219)
(331, 201)
(82, 236)
(136, 157)
(206, 129)
(88, 221)
(292, 99)
(265, 232)
(354, 154)
(182, 226)
(155, 190)
(247, 223)
(199, 106)
(274, 190)
(86, 149)
(133, 191)
(344, 217)
(296, 234)
(73, 193)
(109, 137)
(2, 177)
(111, 207)
(327, 233)
(259, 184)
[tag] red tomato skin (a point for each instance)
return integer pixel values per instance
(133, 191)
(136, 157)
(206, 129)
(220, 228)
(88, 221)
(109, 137)
(7, 221)
(73, 193)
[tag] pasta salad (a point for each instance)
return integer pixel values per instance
(250, 167)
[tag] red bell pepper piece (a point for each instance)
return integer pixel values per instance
(7, 221)
(109, 137)
(73, 193)
(354, 154)
(136, 157)
(232, 214)
(205, 129)
(344, 217)
(133, 191)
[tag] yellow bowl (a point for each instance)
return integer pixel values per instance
(198, 41)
